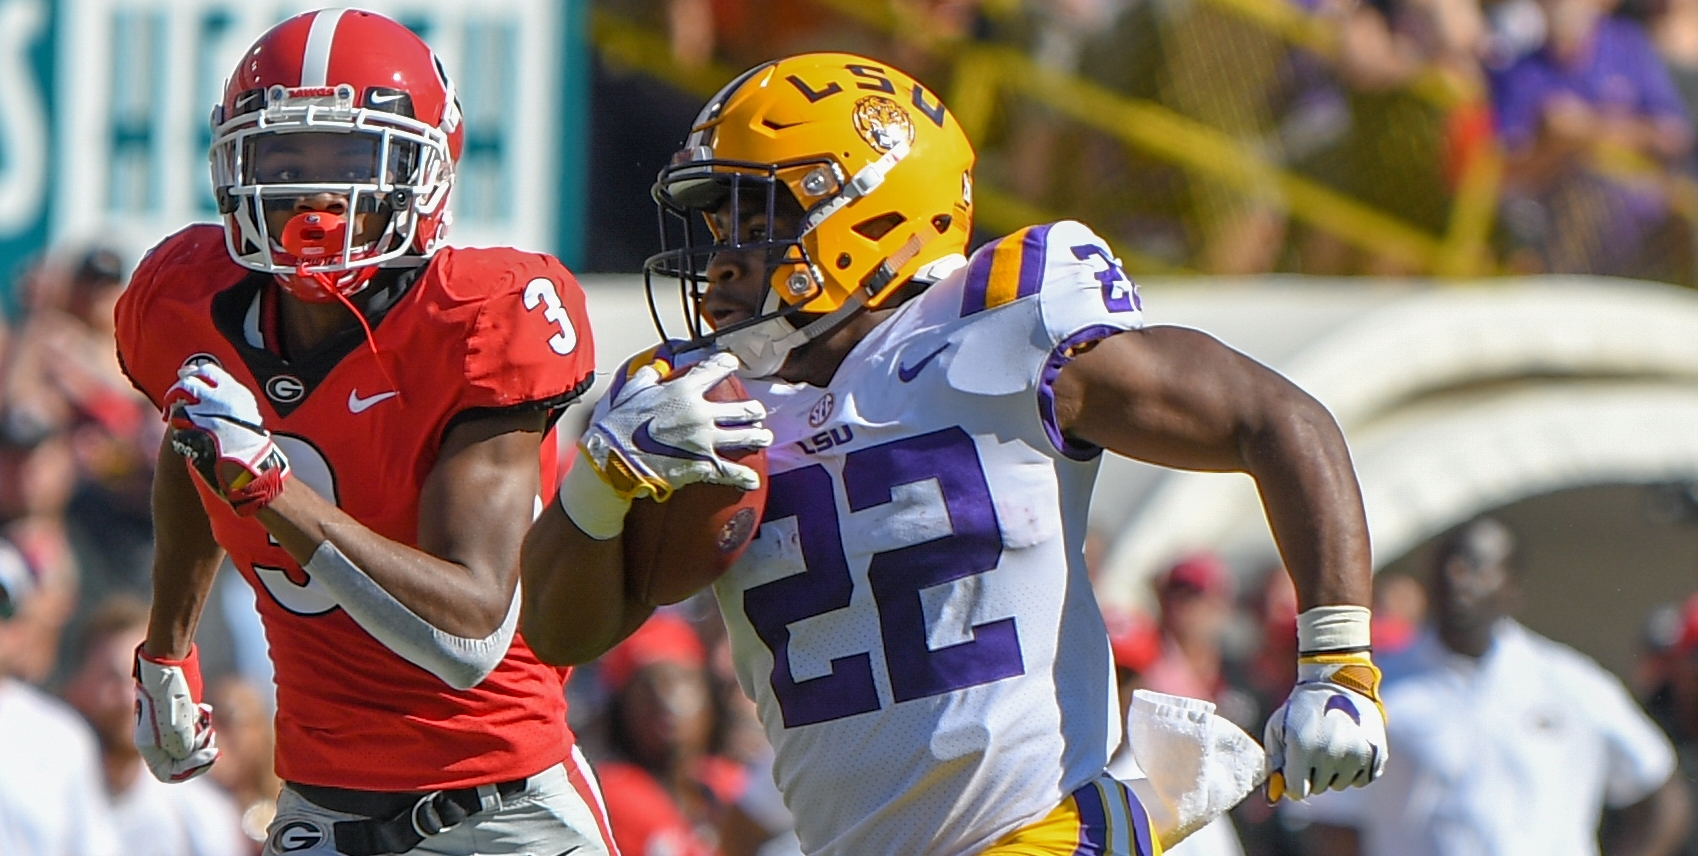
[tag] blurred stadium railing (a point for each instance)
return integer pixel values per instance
(1197, 135)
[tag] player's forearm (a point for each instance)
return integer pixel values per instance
(576, 605)
(448, 595)
(185, 558)
(1302, 468)
(180, 590)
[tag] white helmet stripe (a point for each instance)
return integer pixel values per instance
(315, 65)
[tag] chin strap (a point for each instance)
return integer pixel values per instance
(764, 347)
(328, 283)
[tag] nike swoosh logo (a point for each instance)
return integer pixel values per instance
(379, 98)
(908, 373)
(645, 442)
(356, 404)
(1339, 702)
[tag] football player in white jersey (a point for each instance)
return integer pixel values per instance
(913, 618)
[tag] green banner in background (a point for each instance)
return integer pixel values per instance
(26, 136)
(122, 162)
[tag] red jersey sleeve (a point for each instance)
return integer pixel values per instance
(145, 313)
(530, 344)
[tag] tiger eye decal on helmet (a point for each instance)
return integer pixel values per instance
(842, 139)
(883, 123)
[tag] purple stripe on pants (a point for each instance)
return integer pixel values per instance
(1093, 821)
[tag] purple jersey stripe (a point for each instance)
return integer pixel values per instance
(1061, 356)
(978, 279)
(1032, 260)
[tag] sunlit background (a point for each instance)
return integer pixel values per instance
(1491, 287)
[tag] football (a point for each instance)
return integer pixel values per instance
(675, 548)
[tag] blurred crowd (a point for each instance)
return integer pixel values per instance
(684, 764)
(77, 446)
(1576, 113)
(1520, 135)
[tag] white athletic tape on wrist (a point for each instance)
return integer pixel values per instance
(591, 503)
(460, 662)
(1334, 628)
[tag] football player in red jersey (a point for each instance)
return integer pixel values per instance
(356, 415)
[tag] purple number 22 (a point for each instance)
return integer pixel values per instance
(897, 577)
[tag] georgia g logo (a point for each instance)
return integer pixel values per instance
(297, 835)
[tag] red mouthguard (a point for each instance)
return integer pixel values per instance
(313, 236)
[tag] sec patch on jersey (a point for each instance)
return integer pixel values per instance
(676, 548)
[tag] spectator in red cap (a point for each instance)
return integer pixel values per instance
(664, 789)
(1195, 597)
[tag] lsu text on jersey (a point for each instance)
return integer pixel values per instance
(914, 620)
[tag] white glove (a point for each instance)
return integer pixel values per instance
(214, 420)
(173, 728)
(1331, 731)
(657, 437)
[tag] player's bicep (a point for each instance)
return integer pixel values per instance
(1168, 395)
(479, 499)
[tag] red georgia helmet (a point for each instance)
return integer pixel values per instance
(340, 71)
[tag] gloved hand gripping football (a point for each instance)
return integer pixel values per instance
(1331, 731)
(214, 421)
(657, 437)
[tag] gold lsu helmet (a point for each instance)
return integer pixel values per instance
(881, 173)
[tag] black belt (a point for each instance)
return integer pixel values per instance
(397, 822)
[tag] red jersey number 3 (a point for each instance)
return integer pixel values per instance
(544, 293)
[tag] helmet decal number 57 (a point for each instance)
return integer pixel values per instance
(544, 293)
(897, 578)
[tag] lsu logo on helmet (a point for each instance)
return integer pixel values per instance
(878, 171)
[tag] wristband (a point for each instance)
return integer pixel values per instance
(593, 505)
(250, 492)
(1333, 630)
(190, 665)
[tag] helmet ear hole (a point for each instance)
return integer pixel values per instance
(875, 228)
(941, 223)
